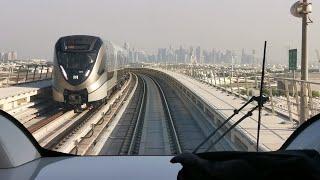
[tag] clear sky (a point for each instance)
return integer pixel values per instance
(32, 26)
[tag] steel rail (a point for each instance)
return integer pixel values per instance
(167, 109)
(139, 118)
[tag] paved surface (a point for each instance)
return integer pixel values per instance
(192, 126)
(154, 139)
(23, 88)
(273, 132)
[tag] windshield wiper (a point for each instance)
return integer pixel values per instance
(260, 99)
(235, 112)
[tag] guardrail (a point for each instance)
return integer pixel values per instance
(284, 92)
(24, 73)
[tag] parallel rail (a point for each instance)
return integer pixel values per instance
(33, 128)
(175, 146)
(64, 135)
(138, 126)
(174, 134)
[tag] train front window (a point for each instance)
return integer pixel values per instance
(156, 78)
(76, 61)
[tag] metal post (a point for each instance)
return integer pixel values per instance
(256, 81)
(296, 95)
(211, 73)
(34, 73)
(18, 74)
(310, 100)
(214, 77)
(9, 75)
(246, 86)
(41, 72)
(238, 87)
(271, 96)
(27, 73)
(48, 72)
(304, 65)
(231, 84)
(224, 80)
(288, 99)
(220, 80)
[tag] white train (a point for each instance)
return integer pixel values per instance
(86, 70)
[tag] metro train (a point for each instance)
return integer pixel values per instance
(86, 70)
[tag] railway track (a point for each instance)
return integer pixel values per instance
(36, 126)
(134, 135)
(156, 121)
(174, 139)
(146, 128)
(87, 144)
(192, 125)
(64, 130)
(34, 111)
(72, 131)
(157, 137)
(160, 121)
(120, 139)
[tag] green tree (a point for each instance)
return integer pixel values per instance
(315, 93)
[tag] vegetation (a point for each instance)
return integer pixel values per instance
(315, 93)
(275, 92)
(244, 92)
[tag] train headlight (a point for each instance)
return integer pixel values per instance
(64, 72)
(87, 73)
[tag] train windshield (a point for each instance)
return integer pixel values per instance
(76, 60)
(158, 77)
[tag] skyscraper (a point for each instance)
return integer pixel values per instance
(1, 56)
(192, 58)
(198, 54)
(14, 55)
(126, 46)
(162, 55)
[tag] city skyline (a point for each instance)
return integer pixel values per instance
(32, 27)
(197, 55)
(181, 54)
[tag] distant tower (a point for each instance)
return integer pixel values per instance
(254, 61)
(14, 55)
(126, 46)
(198, 54)
(192, 58)
(1, 56)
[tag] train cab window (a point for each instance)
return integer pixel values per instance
(71, 60)
(102, 65)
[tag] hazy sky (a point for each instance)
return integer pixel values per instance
(32, 26)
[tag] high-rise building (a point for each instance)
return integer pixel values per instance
(162, 55)
(14, 55)
(247, 58)
(213, 56)
(181, 55)
(126, 46)
(198, 54)
(7, 56)
(1, 56)
(192, 58)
